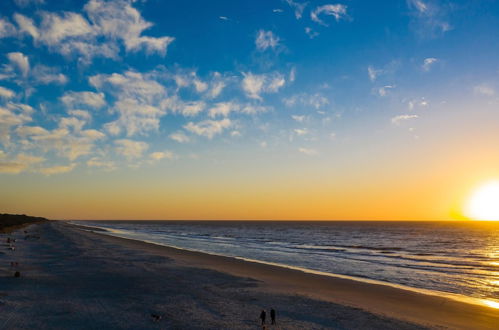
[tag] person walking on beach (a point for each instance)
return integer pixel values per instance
(272, 316)
(263, 315)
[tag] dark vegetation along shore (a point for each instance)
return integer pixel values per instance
(9, 222)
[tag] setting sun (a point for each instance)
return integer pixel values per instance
(484, 202)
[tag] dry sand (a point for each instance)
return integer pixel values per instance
(72, 279)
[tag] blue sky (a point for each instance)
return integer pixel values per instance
(99, 86)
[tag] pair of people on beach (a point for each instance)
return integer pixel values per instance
(263, 316)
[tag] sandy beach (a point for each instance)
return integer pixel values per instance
(71, 278)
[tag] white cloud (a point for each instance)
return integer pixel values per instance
(77, 99)
(179, 137)
(188, 109)
(251, 109)
(292, 74)
(338, 11)
(118, 19)
(254, 84)
(70, 33)
(301, 131)
(69, 139)
(130, 148)
(383, 91)
(57, 169)
(308, 151)
(85, 115)
(130, 84)
(7, 29)
(298, 7)
(21, 61)
(266, 39)
(235, 133)
(138, 101)
(20, 163)
(297, 118)
(97, 162)
(10, 116)
(56, 28)
(397, 120)
(25, 131)
(158, 155)
(135, 117)
(216, 88)
(200, 86)
(316, 100)
(429, 18)
(412, 104)
(373, 73)
(26, 25)
(6, 93)
(484, 89)
(311, 33)
(25, 3)
(46, 75)
(428, 63)
(223, 109)
(208, 128)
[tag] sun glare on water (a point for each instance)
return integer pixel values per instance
(484, 202)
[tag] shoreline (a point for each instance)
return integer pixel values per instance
(453, 296)
(379, 298)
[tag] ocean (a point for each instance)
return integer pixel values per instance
(457, 258)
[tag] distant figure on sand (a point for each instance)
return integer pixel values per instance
(263, 315)
(272, 316)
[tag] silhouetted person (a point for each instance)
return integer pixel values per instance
(263, 315)
(272, 315)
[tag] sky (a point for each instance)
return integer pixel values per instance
(151, 109)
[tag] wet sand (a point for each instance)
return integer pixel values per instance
(75, 279)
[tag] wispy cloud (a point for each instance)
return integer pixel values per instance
(316, 100)
(70, 33)
(383, 91)
(7, 29)
(266, 39)
(256, 84)
(21, 61)
(311, 33)
(57, 169)
(428, 63)
(484, 89)
(209, 128)
(298, 7)
(179, 137)
(130, 149)
(297, 118)
(397, 120)
(308, 151)
(338, 11)
(158, 155)
(78, 99)
(25, 3)
(429, 18)
(20, 163)
(6, 93)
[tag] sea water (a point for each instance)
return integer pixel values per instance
(448, 257)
